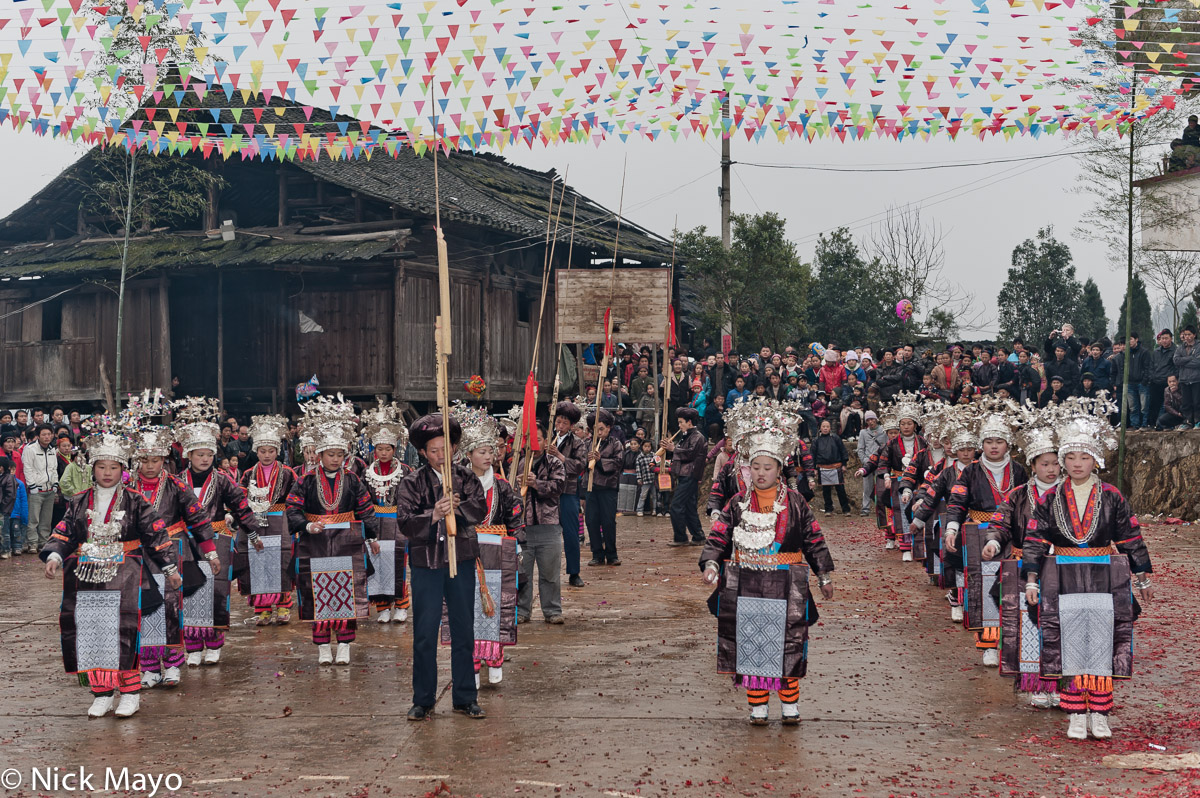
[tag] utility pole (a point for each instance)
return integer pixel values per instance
(726, 238)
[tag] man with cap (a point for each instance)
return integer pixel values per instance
(421, 509)
(572, 451)
(605, 460)
(1063, 365)
(323, 509)
(688, 456)
(100, 543)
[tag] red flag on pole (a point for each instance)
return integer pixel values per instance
(671, 325)
(608, 342)
(529, 414)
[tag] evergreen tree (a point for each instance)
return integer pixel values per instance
(758, 289)
(1041, 292)
(1187, 316)
(1090, 321)
(1143, 324)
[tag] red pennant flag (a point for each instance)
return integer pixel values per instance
(529, 414)
(608, 342)
(671, 339)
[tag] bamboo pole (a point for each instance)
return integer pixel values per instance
(668, 369)
(612, 284)
(558, 356)
(547, 268)
(443, 335)
(519, 446)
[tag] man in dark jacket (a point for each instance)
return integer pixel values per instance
(887, 377)
(1006, 373)
(543, 534)
(1098, 366)
(911, 372)
(572, 451)
(1064, 335)
(688, 454)
(1063, 365)
(1161, 364)
(1138, 395)
(421, 509)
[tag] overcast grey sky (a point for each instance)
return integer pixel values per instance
(985, 210)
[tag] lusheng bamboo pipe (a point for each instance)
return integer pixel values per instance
(443, 336)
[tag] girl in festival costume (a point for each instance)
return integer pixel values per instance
(100, 543)
(501, 533)
(959, 431)
(734, 477)
(980, 489)
(1020, 644)
(756, 552)
(883, 514)
(893, 459)
(267, 486)
(191, 536)
(1081, 553)
(331, 515)
(388, 585)
(206, 612)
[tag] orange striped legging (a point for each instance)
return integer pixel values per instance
(1087, 694)
(988, 637)
(790, 694)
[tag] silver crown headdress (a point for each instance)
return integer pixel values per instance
(1037, 434)
(195, 426)
(478, 428)
(328, 424)
(998, 419)
(268, 430)
(1083, 426)
(907, 405)
(385, 425)
(772, 431)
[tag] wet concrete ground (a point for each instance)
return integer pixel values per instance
(622, 700)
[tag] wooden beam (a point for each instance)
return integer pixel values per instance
(164, 332)
(283, 198)
(284, 331)
(221, 340)
(357, 227)
(397, 324)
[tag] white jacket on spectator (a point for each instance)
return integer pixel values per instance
(41, 467)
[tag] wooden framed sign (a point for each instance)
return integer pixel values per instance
(639, 303)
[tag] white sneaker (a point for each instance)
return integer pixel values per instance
(170, 677)
(1099, 726)
(906, 557)
(758, 715)
(343, 654)
(1055, 699)
(1077, 730)
(1039, 700)
(791, 714)
(212, 656)
(193, 658)
(956, 614)
(495, 675)
(324, 654)
(399, 615)
(891, 544)
(991, 658)
(384, 617)
(151, 679)
(639, 516)
(476, 680)
(128, 705)
(100, 706)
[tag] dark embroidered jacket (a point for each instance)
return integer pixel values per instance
(1008, 523)
(608, 466)
(1109, 512)
(308, 497)
(547, 477)
(800, 533)
(415, 497)
(174, 503)
(974, 490)
(140, 523)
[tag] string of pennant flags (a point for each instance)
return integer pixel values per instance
(300, 79)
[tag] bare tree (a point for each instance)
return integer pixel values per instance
(913, 255)
(1173, 275)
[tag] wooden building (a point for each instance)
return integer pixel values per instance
(331, 271)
